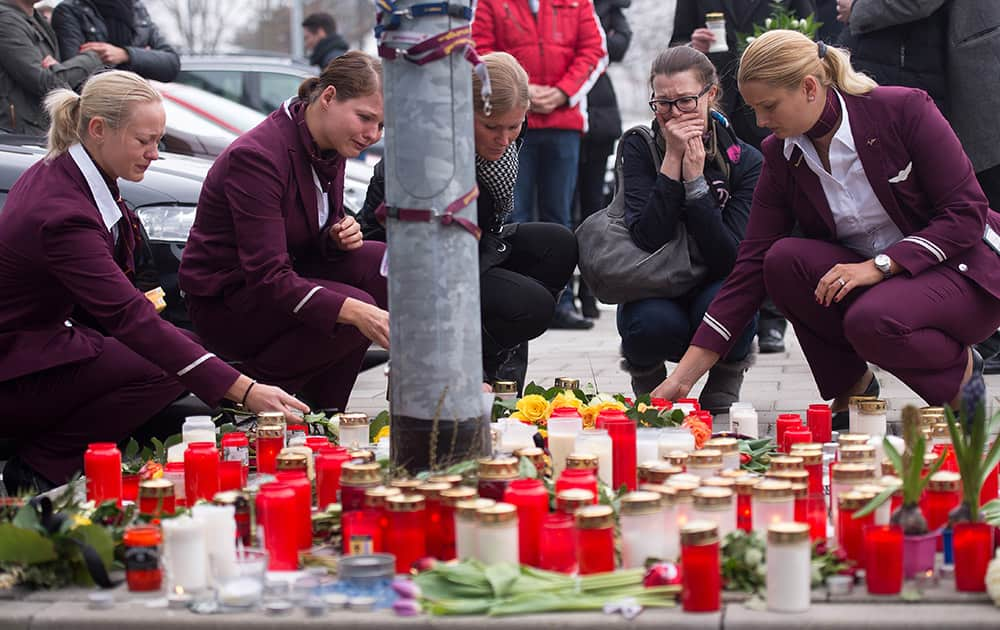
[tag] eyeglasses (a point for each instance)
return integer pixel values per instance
(684, 104)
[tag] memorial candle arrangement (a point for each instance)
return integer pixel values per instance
(789, 567)
(642, 528)
(102, 465)
(701, 557)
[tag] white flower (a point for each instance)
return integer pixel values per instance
(750, 39)
(753, 557)
(767, 23)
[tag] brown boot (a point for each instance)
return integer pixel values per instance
(723, 386)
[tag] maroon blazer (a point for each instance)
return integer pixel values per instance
(57, 252)
(257, 217)
(919, 173)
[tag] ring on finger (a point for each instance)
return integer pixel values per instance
(843, 283)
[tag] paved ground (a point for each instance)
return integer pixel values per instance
(778, 383)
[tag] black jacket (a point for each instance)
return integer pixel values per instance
(327, 49)
(77, 22)
(604, 118)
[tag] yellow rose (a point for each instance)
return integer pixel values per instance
(641, 407)
(589, 415)
(564, 399)
(534, 409)
(382, 433)
(79, 521)
(591, 411)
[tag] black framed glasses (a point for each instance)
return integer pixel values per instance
(684, 104)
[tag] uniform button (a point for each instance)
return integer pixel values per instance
(963, 267)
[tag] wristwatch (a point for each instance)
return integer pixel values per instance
(884, 264)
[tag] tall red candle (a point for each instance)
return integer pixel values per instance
(532, 502)
(850, 530)
(785, 422)
(621, 429)
(316, 443)
(812, 462)
(884, 543)
(270, 441)
(943, 494)
(130, 487)
(557, 544)
(595, 539)
(201, 471)
(276, 505)
(299, 525)
(436, 538)
(449, 498)
(701, 574)
(407, 530)
(973, 550)
(797, 435)
(744, 502)
(815, 505)
(102, 465)
(174, 472)
(231, 475)
(819, 419)
(329, 461)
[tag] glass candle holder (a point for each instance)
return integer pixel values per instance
(201, 471)
(812, 463)
(240, 503)
(355, 480)
(674, 439)
(184, 557)
(531, 499)
(715, 22)
(236, 447)
(329, 461)
(647, 449)
(715, 505)
(407, 538)
(870, 417)
(852, 410)
(242, 590)
(299, 522)
(773, 503)
(744, 421)
(819, 419)
(660, 472)
(857, 454)
(174, 473)
(497, 534)
(495, 475)
(567, 383)
(642, 531)
(577, 478)
(466, 543)
(537, 458)
(598, 442)
(701, 578)
(354, 430)
(671, 537)
(270, 441)
(705, 463)
(102, 465)
(783, 463)
(845, 477)
(375, 503)
(449, 499)
(730, 449)
(972, 545)
(850, 530)
(815, 506)
(156, 497)
(562, 438)
(789, 568)
(785, 422)
(142, 558)
(232, 475)
(198, 429)
(796, 436)
(683, 501)
(677, 458)
(316, 443)
(744, 503)
(622, 431)
(557, 544)
(943, 494)
(595, 539)
(571, 500)
(884, 544)
(436, 542)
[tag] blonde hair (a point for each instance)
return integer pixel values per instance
(109, 95)
(784, 58)
(509, 83)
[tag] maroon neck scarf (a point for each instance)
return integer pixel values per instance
(829, 118)
(327, 164)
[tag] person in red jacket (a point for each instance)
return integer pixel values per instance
(563, 48)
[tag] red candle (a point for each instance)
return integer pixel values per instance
(577, 479)
(130, 487)
(557, 544)
(174, 471)
(884, 543)
(102, 465)
(236, 447)
(950, 463)
(705, 416)
(661, 403)
(201, 471)
(812, 462)
(362, 533)
(270, 441)
(819, 419)
(299, 525)
(142, 558)
(156, 497)
(495, 475)
(595, 539)
(850, 530)
(785, 422)
(744, 502)
(436, 539)
(943, 494)
(355, 480)
(375, 503)
(407, 530)
(316, 443)
(797, 435)
(276, 505)
(532, 502)
(449, 498)
(816, 515)
(621, 429)
(693, 402)
(231, 475)
(701, 573)
(329, 460)
(973, 550)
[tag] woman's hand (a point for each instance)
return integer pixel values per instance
(679, 130)
(844, 278)
(702, 39)
(269, 398)
(346, 234)
(694, 159)
(372, 321)
(693, 365)
(671, 389)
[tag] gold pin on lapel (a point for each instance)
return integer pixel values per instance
(799, 161)
(872, 141)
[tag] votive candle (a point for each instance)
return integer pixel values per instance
(299, 525)
(407, 529)
(819, 419)
(497, 534)
(557, 544)
(276, 506)
(701, 577)
(184, 554)
(531, 499)
(466, 543)
(785, 422)
(850, 530)
(884, 544)
(102, 465)
(642, 530)
(789, 567)
(329, 461)
(595, 539)
(201, 471)
(622, 431)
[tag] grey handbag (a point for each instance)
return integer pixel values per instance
(619, 271)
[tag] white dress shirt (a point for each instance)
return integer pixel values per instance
(861, 222)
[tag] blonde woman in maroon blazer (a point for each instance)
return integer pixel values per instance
(898, 262)
(276, 275)
(66, 243)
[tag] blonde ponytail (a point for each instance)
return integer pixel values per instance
(63, 107)
(783, 59)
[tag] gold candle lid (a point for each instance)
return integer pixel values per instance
(667, 494)
(684, 492)
(929, 416)
(467, 508)
(791, 476)
(407, 486)
(405, 503)
(354, 419)
(853, 401)
(945, 481)
(699, 533)
(720, 482)
(641, 502)
(705, 458)
(854, 454)
(569, 501)
(660, 472)
(810, 458)
(745, 485)
(563, 382)
(452, 479)
(712, 497)
(847, 473)
(363, 454)
(431, 490)
(772, 490)
(684, 478)
(787, 533)
(360, 474)
(496, 514)
(735, 473)
(715, 15)
(786, 462)
(239, 500)
(271, 431)
(853, 500)
(726, 445)
(270, 418)
(454, 494)
(891, 481)
(595, 517)
(587, 461)
(156, 488)
(870, 489)
(375, 497)
(504, 387)
(872, 406)
(853, 439)
(501, 468)
(292, 461)
(805, 446)
(534, 454)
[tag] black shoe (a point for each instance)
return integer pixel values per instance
(770, 340)
(842, 419)
(991, 366)
(566, 318)
(588, 306)
(19, 478)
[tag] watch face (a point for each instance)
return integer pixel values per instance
(883, 263)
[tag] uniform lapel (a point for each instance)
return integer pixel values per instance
(810, 185)
(302, 170)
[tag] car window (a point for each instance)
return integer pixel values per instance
(276, 88)
(225, 83)
(181, 118)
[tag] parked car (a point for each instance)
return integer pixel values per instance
(258, 82)
(222, 112)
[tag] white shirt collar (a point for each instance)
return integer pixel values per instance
(109, 210)
(843, 133)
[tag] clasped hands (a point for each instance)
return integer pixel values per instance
(545, 99)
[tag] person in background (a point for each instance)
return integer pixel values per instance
(896, 233)
(45, 8)
(276, 275)
(31, 66)
(605, 127)
(704, 178)
(66, 247)
(319, 30)
(562, 47)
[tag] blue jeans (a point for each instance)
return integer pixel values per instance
(660, 329)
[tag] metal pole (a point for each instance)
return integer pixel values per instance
(435, 384)
(295, 30)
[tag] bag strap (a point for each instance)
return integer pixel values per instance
(617, 206)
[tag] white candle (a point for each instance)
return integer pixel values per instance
(715, 505)
(647, 445)
(687, 408)
(597, 442)
(869, 417)
(184, 554)
(789, 568)
(466, 543)
(674, 439)
(643, 535)
(496, 534)
(198, 429)
(772, 503)
(744, 422)
(220, 538)
(562, 441)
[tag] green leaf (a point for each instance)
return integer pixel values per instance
(990, 461)
(159, 451)
(27, 518)
(225, 428)
(378, 423)
(24, 546)
(532, 388)
(526, 469)
(873, 505)
(174, 439)
(502, 577)
(100, 539)
(131, 449)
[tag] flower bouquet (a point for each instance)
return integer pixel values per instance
(782, 18)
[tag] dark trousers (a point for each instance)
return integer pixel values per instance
(918, 328)
(276, 348)
(53, 415)
(655, 330)
(590, 182)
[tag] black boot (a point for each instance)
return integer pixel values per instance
(588, 303)
(644, 379)
(515, 366)
(842, 419)
(722, 389)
